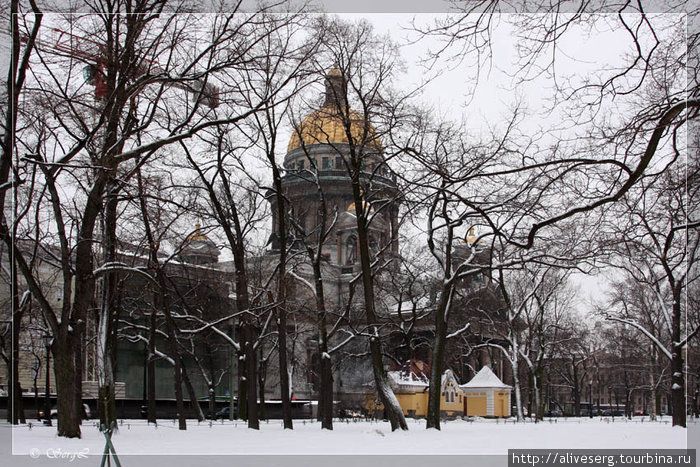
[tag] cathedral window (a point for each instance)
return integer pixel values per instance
(351, 250)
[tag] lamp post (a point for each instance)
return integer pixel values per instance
(48, 340)
(590, 398)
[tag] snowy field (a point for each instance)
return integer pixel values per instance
(457, 437)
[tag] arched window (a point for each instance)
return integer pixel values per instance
(351, 250)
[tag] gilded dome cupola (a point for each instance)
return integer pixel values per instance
(199, 248)
(327, 149)
(327, 125)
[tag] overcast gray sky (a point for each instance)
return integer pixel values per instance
(451, 92)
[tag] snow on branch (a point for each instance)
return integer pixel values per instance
(663, 307)
(303, 281)
(644, 331)
(26, 296)
(156, 352)
(121, 267)
(342, 344)
(683, 342)
(459, 331)
(503, 350)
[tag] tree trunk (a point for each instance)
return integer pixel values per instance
(231, 377)
(242, 383)
(386, 395)
(106, 398)
(68, 405)
(251, 377)
(530, 394)
(678, 388)
(536, 396)
(628, 404)
(433, 419)
(179, 400)
(10, 389)
(283, 364)
(262, 370)
(107, 407)
(678, 404)
(36, 393)
(174, 354)
(236, 241)
(325, 392)
(163, 305)
(107, 313)
(70, 341)
(516, 385)
(212, 401)
(151, 367)
(652, 402)
(575, 394)
(194, 402)
(281, 308)
(177, 369)
(539, 386)
(16, 409)
(160, 303)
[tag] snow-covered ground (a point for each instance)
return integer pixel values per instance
(362, 437)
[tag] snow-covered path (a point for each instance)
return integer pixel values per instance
(363, 437)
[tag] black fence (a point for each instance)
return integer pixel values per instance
(165, 408)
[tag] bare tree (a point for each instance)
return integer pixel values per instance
(313, 243)
(616, 155)
(108, 132)
(10, 178)
(235, 210)
(365, 65)
(661, 238)
(282, 76)
(544, 322)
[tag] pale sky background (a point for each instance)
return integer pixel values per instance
(449, 93)
(489, 103)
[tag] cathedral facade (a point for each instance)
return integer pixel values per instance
(317, 185)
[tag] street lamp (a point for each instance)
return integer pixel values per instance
(590, 398)
(48, 340)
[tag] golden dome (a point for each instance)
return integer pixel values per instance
(326, 125)
(197, 234)
(470, 238)
(335, 71)
(367, 207)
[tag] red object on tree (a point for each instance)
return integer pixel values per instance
(68, 44)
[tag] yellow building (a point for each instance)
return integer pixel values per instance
(451, 396)
(486, 395)
(411, 389)
(410, 385)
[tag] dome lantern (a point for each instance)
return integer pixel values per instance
(336, 88)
